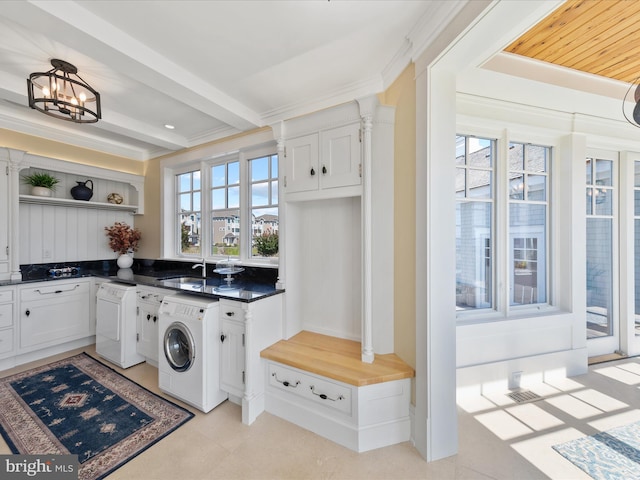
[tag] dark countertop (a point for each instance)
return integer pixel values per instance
(250, 285)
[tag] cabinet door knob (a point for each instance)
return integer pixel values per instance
(155, 318)
(27, 313)
(324, 170)
(222, 337)
(312, 172)
(230, 314)
(148, 316)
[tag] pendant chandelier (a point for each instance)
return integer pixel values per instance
(63, 94)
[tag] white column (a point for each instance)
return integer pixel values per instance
(367, 107)
(16, 158)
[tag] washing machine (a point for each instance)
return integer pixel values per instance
(189, 350)
(116, 324)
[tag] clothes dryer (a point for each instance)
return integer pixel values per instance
(189, 350)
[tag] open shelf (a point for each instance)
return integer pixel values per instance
(68, 202)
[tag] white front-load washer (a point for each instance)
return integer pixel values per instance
(189, 350)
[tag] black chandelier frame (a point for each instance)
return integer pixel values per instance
(63, 101)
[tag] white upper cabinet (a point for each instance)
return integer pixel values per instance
(301, 158)
(340, 164)
(323, 160)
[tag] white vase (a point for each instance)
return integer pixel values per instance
(125, 261)
(41, 191)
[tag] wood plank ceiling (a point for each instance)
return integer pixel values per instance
(601, 37)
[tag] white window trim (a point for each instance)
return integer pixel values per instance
(502, 309)
(245, 147)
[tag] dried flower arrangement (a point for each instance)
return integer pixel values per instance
(123, 238)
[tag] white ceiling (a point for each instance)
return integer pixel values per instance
(211, 68)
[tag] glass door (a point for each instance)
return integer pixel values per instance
(603, 329)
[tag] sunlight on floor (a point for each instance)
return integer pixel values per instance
(569, 409)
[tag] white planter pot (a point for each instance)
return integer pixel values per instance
(41, 191)
(125, 261)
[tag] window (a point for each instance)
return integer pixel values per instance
(482, 182)
(188, 201)
(600, 191)
(528, 166)
(240, 209)
(474, 207)
(264, 206)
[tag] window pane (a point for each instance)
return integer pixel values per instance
(479, 183)
(259, 169)
(234, 173)
(234, 197)
(274, 192)
(184, 182)
(604, 170)
(537, 188)
(589, 171)
(190, 234)
(196, 201)
(480, 153)
(604, 201)
(536, 158)
(473, 256)
(218, 198)
(527, 227)
(225, 234)
(274, 166)
(185, 202)
(260, 194)
(196, 181)
(218, 177)
(265, 232)
(460, 182)
(599, 277)
(516, 187)
(516, 156)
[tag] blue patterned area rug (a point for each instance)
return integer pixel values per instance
(610, 455)
(82, 407)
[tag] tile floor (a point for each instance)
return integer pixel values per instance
(498, 438)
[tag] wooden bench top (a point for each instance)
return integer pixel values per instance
(336, 358)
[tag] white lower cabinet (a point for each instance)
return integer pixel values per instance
(245, 330)
(361, 418)
(148, 303)
(7, 324)
(52, 313)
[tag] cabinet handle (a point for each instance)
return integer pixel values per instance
(57, 291)
(155, 318)
(324, 396)
(148, 316)
(286, 383)
(27, 313)
(324, 170)
(312, 172)
(223, 337)
(230, 314)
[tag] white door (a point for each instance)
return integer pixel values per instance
(602, 292)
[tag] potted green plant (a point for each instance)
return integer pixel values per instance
(42, 183)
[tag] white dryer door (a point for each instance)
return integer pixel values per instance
(179, 347)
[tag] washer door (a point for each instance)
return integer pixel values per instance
(179, 347)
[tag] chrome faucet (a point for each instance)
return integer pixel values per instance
(204, 267)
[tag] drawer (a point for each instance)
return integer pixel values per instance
(319, 390)
(6, 315)
(6, 341)
(6, 295)
(231, 311)
(53, 289)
